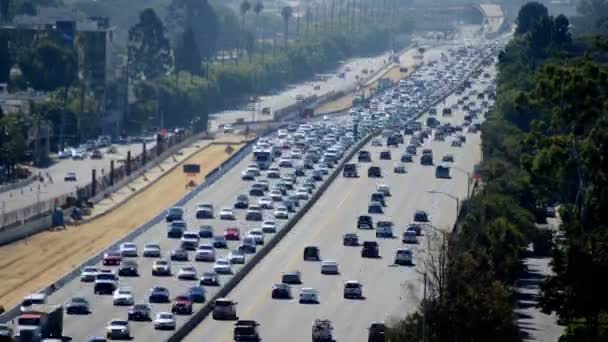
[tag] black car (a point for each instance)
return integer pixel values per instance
(385, 155)
(426, 160)
(205, 232)
(415, 227)
(179, 255)
(128, 268)
(374, 172)
(350, 170)
(281, 291)
(350, 239)
(364, 157)
(311, 253)
(375, 208)
(407, 158)
(370, 249)
(246, 331)
(365, 222)
(139, 312)
(421, 216)
(378, 197)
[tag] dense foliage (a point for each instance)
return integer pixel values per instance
(545, 142)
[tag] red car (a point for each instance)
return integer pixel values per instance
(232, 234)
(182, 305)
(112, 258)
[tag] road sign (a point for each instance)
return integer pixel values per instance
(192, 168)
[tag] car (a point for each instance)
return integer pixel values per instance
(254, 214)
(88, 273)
(302, 194)
(421, 216)
(123, 296)
(269, 227)
(182, 305)
(456, 143)
(550, 211)
(257, 235)
(77, 306)
(190, 240)
(376, 142)
(175, 229)
(242, 202)
(174, 214)
(350, 239)
(248, 245)
(224, 308)
(291, 278)
(164, 321)
(329, 267)
(140, 312)
(353, 289)
(187, 273)
(266, 203)
(385, 155)
(158, 294)
(236, 257)
(118, 328)
(227, 214)
(384, 229)
(375, 208)
(205, 231)
(205, 252)
(407, 158)
(161, 268)
(128, 249)
(311, 253)
(415, 227)
(204, 211)
(96, 154)
(179, 255)
(128, 268)
(152, 250)
(209, 279)
(448, 158)
(377, 332)
(247, 175)
(105, 282)
(281, 291)
(374, 172)
(364, 157)
(399, 169)
(370, 249)
(384, 189)
(222, 266)
(403, 256)
(378, 197)
(365, 222)
(70, 177)
(246, 331)
(196, 294)
(409, 236)
(232, 233)
(112, 258)
(308, 295)
(281, 213)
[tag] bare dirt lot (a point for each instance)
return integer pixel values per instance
(31, 264)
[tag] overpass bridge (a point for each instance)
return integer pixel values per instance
(445, 17)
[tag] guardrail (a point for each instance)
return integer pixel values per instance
(227, 166)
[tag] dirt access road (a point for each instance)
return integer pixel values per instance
(31, 264)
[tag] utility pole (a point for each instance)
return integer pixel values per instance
(424, 311)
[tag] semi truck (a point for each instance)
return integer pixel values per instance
(43, 321)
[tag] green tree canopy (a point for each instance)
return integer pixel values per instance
(150, 55)
(48, 66)
(187, 54)
(528, 15)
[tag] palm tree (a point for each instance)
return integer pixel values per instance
(286, 13)
(257, 9)
(245, 7)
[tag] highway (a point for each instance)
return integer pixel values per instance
(221, 194)
(390, 291)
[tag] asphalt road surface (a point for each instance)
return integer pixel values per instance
(389, 290)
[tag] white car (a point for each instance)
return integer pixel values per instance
(189, 240)
(222, 266)
(236, 257)
(384, 189)
(123, 296)
(151, 250)
(309, 295)
(301, 194)
(257, 236)
(269, 227)
(161, 267)
(281, 213)
(118, 328)
(128, 249)
(329, 267)
(265, 203)
(88, 273)
(187, 273)
(164, 320)
(227, 214)
(205, 252)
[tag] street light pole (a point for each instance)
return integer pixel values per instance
(450, 196)
(468, 179)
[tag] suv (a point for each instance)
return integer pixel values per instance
(370, 250)
(385, 155)
(246, 331)
(311, 253)
(374, 171)
(365, 221)
(174, 214)
(350, 170)
(364, 157)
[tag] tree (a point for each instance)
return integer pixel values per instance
(6, 60)
(187, 54)
(528, 15)
(150, 55)
(257, 9)
(27, 8)
(594, 12)
(5, 6)
(244, 8)
(48, 66)
(200, 17)
(286, 14)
